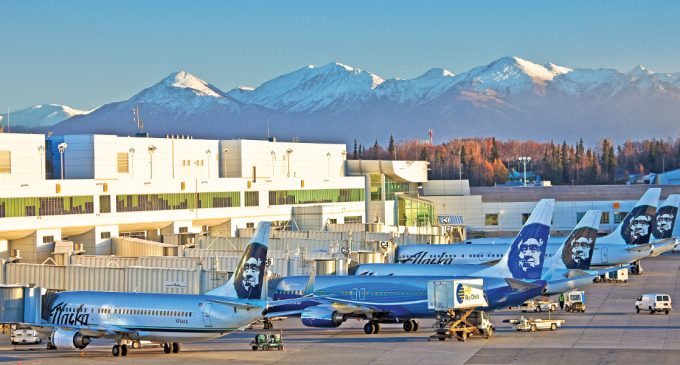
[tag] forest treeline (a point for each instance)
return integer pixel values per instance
(487, 161)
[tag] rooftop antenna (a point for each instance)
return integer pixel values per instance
(138, 119)
(430, 133)
(8, 131)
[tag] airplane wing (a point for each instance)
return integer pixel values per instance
(640, 248)
(91, 331)
(663, 245)
(520, 285)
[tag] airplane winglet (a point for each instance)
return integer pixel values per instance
(309, 288)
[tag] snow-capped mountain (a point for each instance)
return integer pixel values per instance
(43, 115)
(509, 98)
(312, 88)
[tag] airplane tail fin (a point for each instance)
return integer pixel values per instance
(665, 218)
(635, 229)
(577, 250)
(247, 282)
(525, 258)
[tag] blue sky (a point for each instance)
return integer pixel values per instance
(87, 53)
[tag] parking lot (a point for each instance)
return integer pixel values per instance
(609, 332)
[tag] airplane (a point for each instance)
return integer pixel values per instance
(563, 272)
(628, 243)
(400, 299)
(74, 318)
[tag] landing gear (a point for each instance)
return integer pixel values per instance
(411, 325)
(136, 345)
(167, 347)
(175, 347)
(372, 328)
(268, 325)
(636, 268)
(119, 350)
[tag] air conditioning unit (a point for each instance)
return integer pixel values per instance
(78, 249)
(15, 256)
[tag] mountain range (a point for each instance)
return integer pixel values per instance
(510, 98)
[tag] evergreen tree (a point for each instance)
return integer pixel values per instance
(375, 150)
(495, 155)
(355, 152)
(391, 148)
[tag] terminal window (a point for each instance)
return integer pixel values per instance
(619, 216)
(48, 239)
(123, 163)
(491, 219)
(5, 162)
(605, 218)
(252, 198)
(104, 204)
(353, 219)
(105, 235)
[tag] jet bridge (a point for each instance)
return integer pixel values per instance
(20, 304)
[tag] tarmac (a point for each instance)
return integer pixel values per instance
(609, 332)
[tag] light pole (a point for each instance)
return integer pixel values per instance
(62, 147)
(273, 162)
(41, 150)
(288, 152)
(524, 161)
(208, 152)
(151, 150)
(224, 157)
(132, 161)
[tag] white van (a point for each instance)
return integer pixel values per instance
(654, 302)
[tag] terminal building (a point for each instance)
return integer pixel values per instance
(91, 188)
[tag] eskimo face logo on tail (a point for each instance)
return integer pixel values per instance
(250, 272)
(578, 250)
(526, 255)
(665, 220)
(637, 225)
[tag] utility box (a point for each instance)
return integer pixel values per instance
(444, 295)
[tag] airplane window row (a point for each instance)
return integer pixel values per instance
(126, 311)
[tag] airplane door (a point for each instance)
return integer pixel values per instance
(362, 294)
(355, 294)
(206, 315)
(605, 255)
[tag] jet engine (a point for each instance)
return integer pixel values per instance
(321, 316)
(63, 339)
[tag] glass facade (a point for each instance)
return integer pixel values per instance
(175, 201)
(411, 212)
(284, 197)
(393, 186)
(375, 181)
(44, 206)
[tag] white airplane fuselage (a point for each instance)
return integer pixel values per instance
(153, 317)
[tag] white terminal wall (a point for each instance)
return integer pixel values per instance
(96, 157)
(27, 157)
(281, 159)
